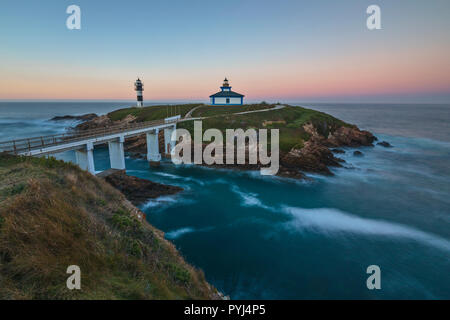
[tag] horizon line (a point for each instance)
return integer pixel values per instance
(152, 102)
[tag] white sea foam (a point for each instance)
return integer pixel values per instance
(332, 221)
(168, 175)
(249, 199)
(178, 233)
(165, 201)
(175, 234)
(176, 177)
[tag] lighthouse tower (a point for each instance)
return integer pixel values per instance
(139, 87)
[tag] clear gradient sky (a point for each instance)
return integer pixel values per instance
(287, 50)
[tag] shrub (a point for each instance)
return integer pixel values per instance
(16, 189)
(133, 247)
(122, 219)
(179, 273)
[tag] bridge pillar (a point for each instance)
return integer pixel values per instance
(85, 158)
(169, 144)
(117, 154)
(153, 155)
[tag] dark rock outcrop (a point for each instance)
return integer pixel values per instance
(350, 137)
(313, 157)
(84, 117)
(99, 122)
(135, 189)
(358, 153)
(103, 122)
(384, 144)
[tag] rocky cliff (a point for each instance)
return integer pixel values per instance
(307, 137)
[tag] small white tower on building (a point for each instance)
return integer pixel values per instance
(139, 87)
(226, 97)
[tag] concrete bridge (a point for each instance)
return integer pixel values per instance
(83, 143)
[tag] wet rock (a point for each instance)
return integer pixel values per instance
(103, 122)
(99, 122)
(350, 137)
(84, 117)
(384, 144)
(313, 157)
(358, 153)
(135, 189)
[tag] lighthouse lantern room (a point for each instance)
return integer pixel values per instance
(139, 87)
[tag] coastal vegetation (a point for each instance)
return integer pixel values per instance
(53, 215)
(152, 112)
(290, 120)
(209, 111)
(306, 137)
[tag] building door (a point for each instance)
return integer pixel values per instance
(228, 100)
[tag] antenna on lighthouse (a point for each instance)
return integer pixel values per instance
(139, 87)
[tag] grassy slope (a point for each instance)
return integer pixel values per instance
(209, 111)
(152, 112)
(290, 122)
(52, 215)
(291, 131)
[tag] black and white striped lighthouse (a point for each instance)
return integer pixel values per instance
(139, 87)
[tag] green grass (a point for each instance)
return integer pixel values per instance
(292, 119)
(52, 215)
(152, 112)
(209, 111)
(291, 129)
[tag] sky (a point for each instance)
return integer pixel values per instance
(284, 50)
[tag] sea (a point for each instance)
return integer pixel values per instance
(259, 237)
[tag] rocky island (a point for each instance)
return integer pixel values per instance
(307, 137)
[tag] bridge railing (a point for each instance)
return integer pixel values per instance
(28, 144)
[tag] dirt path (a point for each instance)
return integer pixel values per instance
(188, 115)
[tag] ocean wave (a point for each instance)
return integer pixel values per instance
(168, 175)
(165, 201)
(178, 233)
(249, 199)
(378, 165)
(175, 234)
(332, 221)
(176, 177)
(423, 143)
(29, 128)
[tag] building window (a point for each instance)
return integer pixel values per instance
(228, 100)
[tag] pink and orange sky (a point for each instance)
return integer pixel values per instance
(282, 51)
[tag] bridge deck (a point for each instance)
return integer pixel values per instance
(66, 141)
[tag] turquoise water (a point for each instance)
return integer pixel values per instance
(271, 238)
